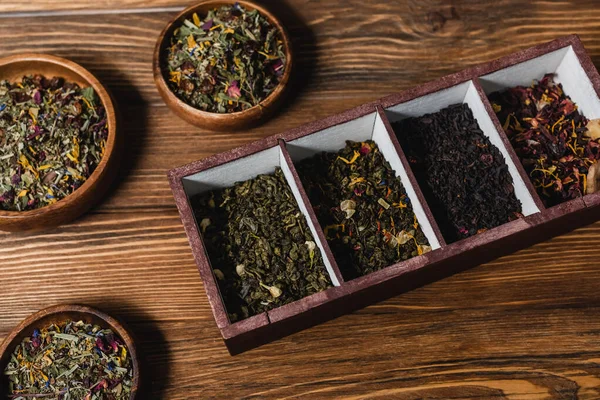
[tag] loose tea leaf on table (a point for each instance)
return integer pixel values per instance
(227, 61)
(363, 208)
(556, 144)
(52, 137)
(463, 176)
(260, 246)
(72, 360)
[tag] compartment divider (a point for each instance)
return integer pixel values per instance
(288, 167)
(412, 180)
(511, 152)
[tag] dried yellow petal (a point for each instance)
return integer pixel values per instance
(196, 19)
(351, 161)
(191, 42)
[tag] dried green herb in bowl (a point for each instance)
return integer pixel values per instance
(70, 360)
(363, 208)
(226, 61)
(52, 137)
(260, 246)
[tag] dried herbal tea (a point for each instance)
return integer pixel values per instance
(72, 360)
(52, 137)
(227, 61)
(556, 144)
(462, 174)
(260, 246)
(363, 208)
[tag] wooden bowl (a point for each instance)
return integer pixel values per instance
(58, 314)
(218, 121)
(14, 68)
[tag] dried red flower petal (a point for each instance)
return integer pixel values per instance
(100, 344)
(365, 149)
(234, 90)
(550, 137)
(36, 342)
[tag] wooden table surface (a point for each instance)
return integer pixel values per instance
(526, 326)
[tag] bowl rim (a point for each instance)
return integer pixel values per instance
(265, 103)
(121, 330)
(108, 104)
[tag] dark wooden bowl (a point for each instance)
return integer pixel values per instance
(14, 68)
(217, 121)
(58, 314)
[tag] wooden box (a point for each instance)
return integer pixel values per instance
(566, 57)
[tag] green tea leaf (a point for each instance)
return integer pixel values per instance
(362, 206)
(257, 236)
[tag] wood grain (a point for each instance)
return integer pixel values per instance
(526, 326)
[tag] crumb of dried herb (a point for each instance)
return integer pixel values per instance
(463, 176)
(363, 208)
(72, 360)
(228, 61)
(52, 137)
(556, 144)
(260, 244)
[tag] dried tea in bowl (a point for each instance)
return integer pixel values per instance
(363, 208)
(557, 145)
(52, 137)
(260, 246)
(226, 61)
(70, 360)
